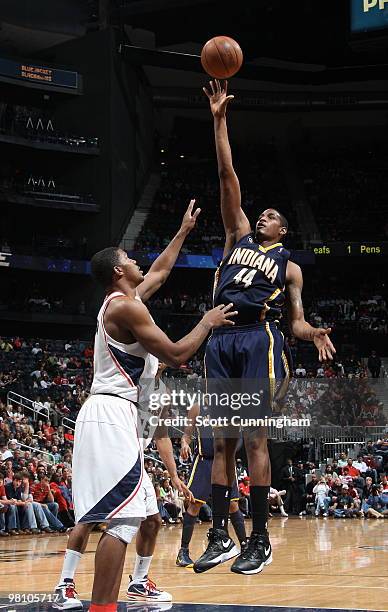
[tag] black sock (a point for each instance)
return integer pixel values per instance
(187, 531)
(237, 520)
(259, 504)
(220, 506)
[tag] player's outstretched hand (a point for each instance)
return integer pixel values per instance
(177, 483)
(218, 97)
(218, 316)
(326, 350)
(189, 220)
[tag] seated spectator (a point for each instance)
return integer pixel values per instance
(42, 494)
(8, 512)
(375, 506)
(275, 500)
(168, 499)
(322, 499)
(245, 498)
(352, 470)
(65, 513)
(166, 518)
(343, 507)
(308, 498)
(24, 520)
(355, 495)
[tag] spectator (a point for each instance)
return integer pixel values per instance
(343, 506)
(291, 476)
(352, 470)
(275, 500)
(8, 512)
(25, 516)
(321, 492)
(245, 498)
(374, 364)
(300, 371)
(42, 494)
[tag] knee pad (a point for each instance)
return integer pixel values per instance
(124, 529)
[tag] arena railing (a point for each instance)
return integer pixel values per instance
(37, 451)
(37, 408)
(65, 422)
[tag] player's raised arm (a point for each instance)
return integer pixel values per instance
(162, 266)
(235, 221)
(300, 328)
(133, 316)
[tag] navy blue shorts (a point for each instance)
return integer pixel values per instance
(200, 480)
(247, 359)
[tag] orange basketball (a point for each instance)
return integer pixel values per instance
(221, 57)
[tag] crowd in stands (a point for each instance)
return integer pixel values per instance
(351, 181)
(365, 315)
(36, 480)
(36, 451)
(55, 374)
(344, 488)
(261, 186)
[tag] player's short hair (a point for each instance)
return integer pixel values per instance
(102, 264)
(283, 220)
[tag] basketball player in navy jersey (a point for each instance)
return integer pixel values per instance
(258, 277)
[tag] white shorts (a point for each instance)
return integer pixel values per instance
(151, 503)
(108, 463)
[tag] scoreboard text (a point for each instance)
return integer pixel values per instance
(350, 248)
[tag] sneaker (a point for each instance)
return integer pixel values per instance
(257, 554)
(47, 530)
(221, 548)
(158, 606)
(303, 513)
(65, 597)
(146, 590)
(4, 534)
(183, 558)
(325, 514)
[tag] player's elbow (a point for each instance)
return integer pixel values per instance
(173, 361)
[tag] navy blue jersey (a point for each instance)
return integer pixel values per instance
(204, 442)
(253, 278)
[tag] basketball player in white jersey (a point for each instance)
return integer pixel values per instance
(108, 456)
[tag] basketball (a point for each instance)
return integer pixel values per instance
(221, 57)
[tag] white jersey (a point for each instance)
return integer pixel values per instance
(120, 369)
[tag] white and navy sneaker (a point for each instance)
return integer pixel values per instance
(65, 596)
(221, 548)
(255, 556)
(146, 590)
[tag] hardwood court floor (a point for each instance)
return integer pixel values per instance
(318, 563)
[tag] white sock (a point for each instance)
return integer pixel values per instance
(142, 565)
(70, 564)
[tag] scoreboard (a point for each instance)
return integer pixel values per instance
(368, 15)
(38, 74)
(352, 249)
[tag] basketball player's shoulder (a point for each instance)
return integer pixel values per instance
(293, 273)
(247, 239)
(126, 305)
